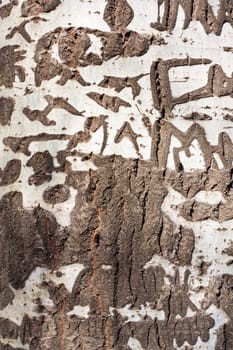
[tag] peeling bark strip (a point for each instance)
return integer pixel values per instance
(116, 175)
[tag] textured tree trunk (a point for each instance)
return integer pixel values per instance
(116, 199)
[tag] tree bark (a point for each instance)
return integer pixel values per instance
(116, 200)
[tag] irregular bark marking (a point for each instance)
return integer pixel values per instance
(6, 109)
(21, 144)
(74, 45)
(127, 131)
(8, 69)
(11, 172)
(218, 83)
(223, 148)
(5, 10)
(108, 102)
(22, 30)
(118, 84)
(53, 102)
(194, 10)
(56, 194)
(118, 14)
(34, 7)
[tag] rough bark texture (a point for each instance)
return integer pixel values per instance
(116, 206)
